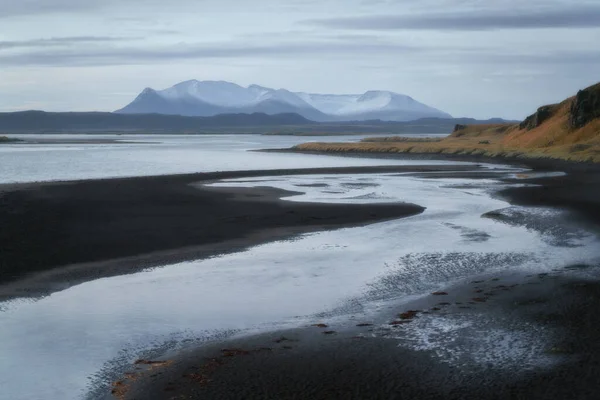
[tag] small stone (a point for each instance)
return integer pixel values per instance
(406, 321)
(408, 314)
(234, 352)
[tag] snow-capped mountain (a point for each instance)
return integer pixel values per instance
(208, 98)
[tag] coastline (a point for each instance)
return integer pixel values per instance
(353, 362)
(83, 230)
(377, 358)
(538, 164)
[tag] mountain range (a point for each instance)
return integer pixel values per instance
(210, 98)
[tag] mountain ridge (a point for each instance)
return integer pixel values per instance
(34, 121)
(209, 98)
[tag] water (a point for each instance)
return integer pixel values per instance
(72, 341)
(71, 344)
(160, 155)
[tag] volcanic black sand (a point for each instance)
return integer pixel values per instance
(374, 360)
(115, 226)
(556, 312)
(55, 235)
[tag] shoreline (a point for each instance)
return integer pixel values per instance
(541, 163)
(84, 230)
(343, 360)
(377, 357)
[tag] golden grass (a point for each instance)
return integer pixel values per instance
(483, 129)
(553, 139)
(485, 142)
(401, 139)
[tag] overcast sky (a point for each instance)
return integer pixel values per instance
(476, 58)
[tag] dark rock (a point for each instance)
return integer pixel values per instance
(234, 352)
(459, 127)
(537, 119)
(405, 321)
(585, 107)
(408, 314)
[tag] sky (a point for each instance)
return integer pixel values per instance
(470, 58)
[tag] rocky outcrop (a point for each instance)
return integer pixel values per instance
(535, 120)
(585, 107)
(459, 127)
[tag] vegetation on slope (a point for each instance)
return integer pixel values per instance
(569, 130)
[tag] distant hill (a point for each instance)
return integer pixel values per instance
(569, 130)
(209, 98)
(40, 121)
(279, 124)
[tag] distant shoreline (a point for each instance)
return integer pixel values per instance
(541, 163)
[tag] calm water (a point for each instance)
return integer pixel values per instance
(76, 341)
(160, 155)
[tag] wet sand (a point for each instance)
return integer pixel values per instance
(374, 359)
(556, 313)
(59, 234)
(116, 226)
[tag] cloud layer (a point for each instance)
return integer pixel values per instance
(467, 57)
(587, 16)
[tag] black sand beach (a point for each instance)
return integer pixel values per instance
(363, 361)
(55, 235)
(373, 359)
(83, 230)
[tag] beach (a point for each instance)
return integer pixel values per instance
(490, 334)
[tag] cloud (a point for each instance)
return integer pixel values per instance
(50, 52)
(33, 7)
(59, 41)
(182, 51)
(572, 16)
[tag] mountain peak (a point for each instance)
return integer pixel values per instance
(206, 98)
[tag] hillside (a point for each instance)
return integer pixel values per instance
(280, 124)
(40, 121)
(209, 98)
(569, 130)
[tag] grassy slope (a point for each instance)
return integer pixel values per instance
(552, 139)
